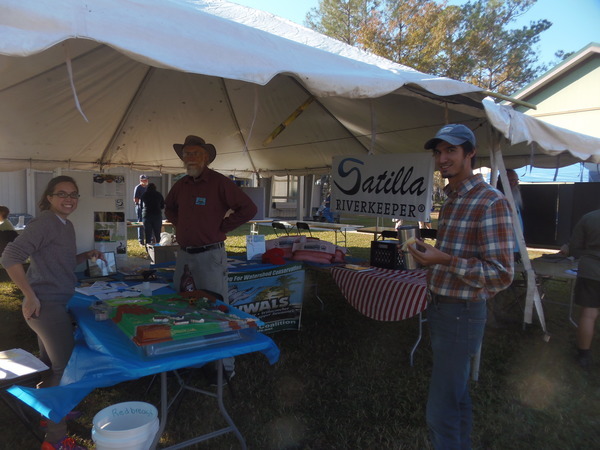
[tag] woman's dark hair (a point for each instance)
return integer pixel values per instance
(44, 204)
(151, 187)
(4, 212)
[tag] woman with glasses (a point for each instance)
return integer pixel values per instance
(49, 243)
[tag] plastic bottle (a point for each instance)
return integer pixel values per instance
(187, 281)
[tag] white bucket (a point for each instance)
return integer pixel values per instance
(125, 426)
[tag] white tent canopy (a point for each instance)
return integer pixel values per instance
(146, 74)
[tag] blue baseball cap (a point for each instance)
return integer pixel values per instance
(454, 133)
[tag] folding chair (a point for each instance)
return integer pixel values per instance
(279, 226)
(303, 226)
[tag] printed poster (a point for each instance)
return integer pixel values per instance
(396, 186)
(110, 232)
(272, 295)
(107, 185)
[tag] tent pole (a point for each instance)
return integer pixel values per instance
(509, 99)
(356, 140)
(533, 295)
(283, 125)
(237, 124)
(119, 128)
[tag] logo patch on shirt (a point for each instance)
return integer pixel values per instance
(200, 201)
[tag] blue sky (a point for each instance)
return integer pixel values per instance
(575, 22)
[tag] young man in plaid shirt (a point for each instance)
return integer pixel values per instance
(471, 262)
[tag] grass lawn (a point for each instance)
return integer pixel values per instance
(344, 382)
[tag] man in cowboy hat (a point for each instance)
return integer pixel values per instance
(140, 189)
(198, 206)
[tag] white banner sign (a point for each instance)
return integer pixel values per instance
(398, 186)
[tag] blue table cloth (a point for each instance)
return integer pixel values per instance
(104, 356)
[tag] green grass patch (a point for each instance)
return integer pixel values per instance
(344, 381)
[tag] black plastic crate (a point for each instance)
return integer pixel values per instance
(386, 254)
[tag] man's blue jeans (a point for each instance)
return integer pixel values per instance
(140, 230)
(456, 336)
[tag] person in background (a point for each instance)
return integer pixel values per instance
(137, 197)
(204, 206)
(397, 222)
(427, 225)
(327, 214)
(585, 245)
(5, 224)
(472, 260)
(513, 181)
(49, 243)
(152, 203)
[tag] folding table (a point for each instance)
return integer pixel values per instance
(104, 357)
(386, 295)
(553, 267)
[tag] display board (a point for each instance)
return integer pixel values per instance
(396, 186)
(272, 295)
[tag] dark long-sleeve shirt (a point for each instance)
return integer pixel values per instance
(198, 208)
(152, 204)
(585, 245)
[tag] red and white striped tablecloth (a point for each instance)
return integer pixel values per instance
(384, 294)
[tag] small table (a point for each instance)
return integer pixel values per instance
(341, 228)
(386, 295)
(255, 223)
(376, 231)
(555, 267)
(165, 223)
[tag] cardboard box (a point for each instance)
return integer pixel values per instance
(162, 253)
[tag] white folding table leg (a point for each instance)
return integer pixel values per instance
(475, 364)
(414, 347)
(164, 407)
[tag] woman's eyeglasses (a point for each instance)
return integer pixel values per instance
(61, 194)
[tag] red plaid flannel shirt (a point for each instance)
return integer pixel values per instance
(475, 228)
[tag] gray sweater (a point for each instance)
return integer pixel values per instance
(50, 244)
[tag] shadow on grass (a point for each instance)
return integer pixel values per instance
(344, 382)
